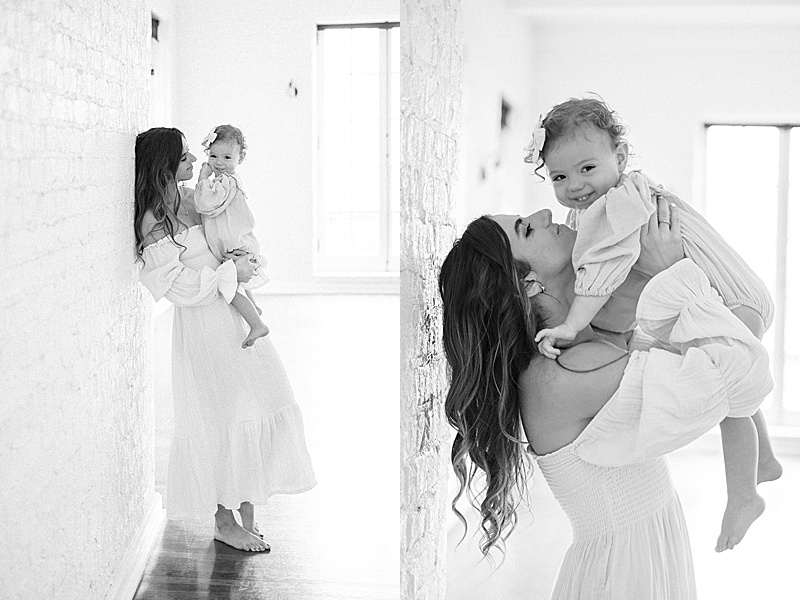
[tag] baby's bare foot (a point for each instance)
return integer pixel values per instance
(256, 332)
(769, 469)
(739, 515)
(238, 538)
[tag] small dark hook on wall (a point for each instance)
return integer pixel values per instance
(292, 90)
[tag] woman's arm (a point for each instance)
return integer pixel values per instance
(666, 400)
(165, 275)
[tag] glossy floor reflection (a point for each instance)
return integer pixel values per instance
(340, 540)
(764, 565)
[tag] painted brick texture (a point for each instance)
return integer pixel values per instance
(430, 113)
(76, 420)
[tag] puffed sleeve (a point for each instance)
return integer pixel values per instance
(665, 399)
(166, 276)
(607, 244)
(211, 197)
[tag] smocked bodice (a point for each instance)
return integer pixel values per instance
(598, 500)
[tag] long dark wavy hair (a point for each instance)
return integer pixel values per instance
(158, 156)
(489, 325)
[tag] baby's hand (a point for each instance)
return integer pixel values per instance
(547, 338)
(205, 171)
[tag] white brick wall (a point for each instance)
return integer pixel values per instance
(75, 450)
(430, 106)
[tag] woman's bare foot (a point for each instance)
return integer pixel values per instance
(247, 513)
(234, 535)
(739, 515)
(769, 469)
(255, 332)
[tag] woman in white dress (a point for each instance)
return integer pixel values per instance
(238, 431)
(600, 419)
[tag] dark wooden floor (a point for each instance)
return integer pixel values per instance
(340, 540)
(189, 564)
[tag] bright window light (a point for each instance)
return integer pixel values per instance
(752, 180)
(358, 162)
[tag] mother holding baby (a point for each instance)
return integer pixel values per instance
(238, 431)
(600, 419)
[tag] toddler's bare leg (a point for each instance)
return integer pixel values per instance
(248, 311)
(250, 297)
(769, 468)
(740, 450)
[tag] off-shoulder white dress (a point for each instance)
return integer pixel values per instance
(238, 430)
(629, 536)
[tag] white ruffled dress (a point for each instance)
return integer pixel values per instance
(238, 430)
(629, 535)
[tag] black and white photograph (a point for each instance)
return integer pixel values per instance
(399, 299)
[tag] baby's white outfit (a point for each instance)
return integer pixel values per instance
(607, 246)
(629, 535)
(228, 221)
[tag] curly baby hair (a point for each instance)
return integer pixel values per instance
(234, 134)
(158, 155)
(488, 329)
(565, 118)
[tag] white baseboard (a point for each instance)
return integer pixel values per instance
(131, 568)
(388, 285)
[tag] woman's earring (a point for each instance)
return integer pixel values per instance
(533, 286)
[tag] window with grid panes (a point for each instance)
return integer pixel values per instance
(358, 161)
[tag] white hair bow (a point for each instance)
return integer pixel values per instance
(537, 144)
(209, 139)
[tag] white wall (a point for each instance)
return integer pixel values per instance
(498, 51)
(233, 65)
(161, 90)
(666, 71)
(76, 461)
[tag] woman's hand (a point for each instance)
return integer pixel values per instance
(245, 268)
(661, 240)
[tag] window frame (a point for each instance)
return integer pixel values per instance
(384, 263)
(777, 414)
